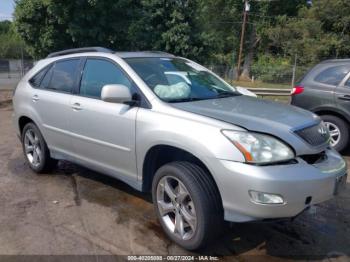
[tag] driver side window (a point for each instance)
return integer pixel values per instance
(98, 73)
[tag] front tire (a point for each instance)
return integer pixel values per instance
(338, 130)
(35, 149)
(187, 204)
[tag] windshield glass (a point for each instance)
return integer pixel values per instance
(180, 80)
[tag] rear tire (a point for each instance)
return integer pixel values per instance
(202, 202)
(336, 124)
(35, 149)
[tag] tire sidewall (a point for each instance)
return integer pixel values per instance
(34, 128)
(198, 236)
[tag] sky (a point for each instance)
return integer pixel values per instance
(6, 9)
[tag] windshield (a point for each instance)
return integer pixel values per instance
(180, 80)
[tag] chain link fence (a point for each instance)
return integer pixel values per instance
(12, 70)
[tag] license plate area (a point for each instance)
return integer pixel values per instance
(340, 184)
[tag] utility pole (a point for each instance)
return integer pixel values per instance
(246, 9)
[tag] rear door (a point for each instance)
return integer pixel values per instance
(104, 133)
(51, 99)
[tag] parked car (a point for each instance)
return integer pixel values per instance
(325, 90)
(206, 152)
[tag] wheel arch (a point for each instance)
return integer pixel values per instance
(332, 111)
(159, 155)
(22, 121)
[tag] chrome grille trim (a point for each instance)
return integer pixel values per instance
(315, 135)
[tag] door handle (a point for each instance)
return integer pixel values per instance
(77, 106)
(344, 97)
(35, 98)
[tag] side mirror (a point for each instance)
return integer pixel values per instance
(116, 94)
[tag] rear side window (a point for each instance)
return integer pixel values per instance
(332, 75)
(46, 80)
(347, 83)
(98, 73)
(63, 75)
(36, 80)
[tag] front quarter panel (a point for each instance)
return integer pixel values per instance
(197, 135)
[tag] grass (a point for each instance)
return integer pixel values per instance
(260, 84)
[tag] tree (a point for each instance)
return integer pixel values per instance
(11, 44)
(316, 33)
(48, 26)
(170, 26)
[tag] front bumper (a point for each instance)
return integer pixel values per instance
(295, 182)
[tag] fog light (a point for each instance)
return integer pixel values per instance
(265, 198)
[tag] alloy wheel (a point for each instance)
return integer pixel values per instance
(334, 133)
(32, 148)
(176, 207)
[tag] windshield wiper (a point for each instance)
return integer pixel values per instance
(187, 99)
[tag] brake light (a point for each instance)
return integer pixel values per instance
(297, 90)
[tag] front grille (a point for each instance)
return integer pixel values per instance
(314, 135)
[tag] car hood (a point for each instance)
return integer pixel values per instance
(258, 115)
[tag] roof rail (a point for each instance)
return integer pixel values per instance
(80, 50)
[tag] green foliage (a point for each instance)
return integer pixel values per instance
(272, 69)
(204, 30)
(316, 33)
(11, 45)
(48, 26)
(220, 24)
(5, 27)
(170, 26)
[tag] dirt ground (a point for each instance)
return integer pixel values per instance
(75, 211)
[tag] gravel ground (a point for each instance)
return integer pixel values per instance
(75, 211)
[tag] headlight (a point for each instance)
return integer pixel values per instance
(259, 148)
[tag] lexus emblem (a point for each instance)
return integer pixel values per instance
(322, 130)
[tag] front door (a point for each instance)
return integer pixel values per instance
(103, 132)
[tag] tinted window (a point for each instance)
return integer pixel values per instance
(63, 76)
(98, 73)
(46, 80)
(332, 75)
(36, 80)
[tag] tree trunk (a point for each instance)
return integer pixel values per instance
(249, 57)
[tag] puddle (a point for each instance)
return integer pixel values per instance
(291, 233)
(106, 191)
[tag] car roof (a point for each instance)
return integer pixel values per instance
(100, 50)
(143, 54)
(334, 61)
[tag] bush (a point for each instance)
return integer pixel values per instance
(272, 70)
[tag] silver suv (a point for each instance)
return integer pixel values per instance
(167, 125)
